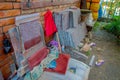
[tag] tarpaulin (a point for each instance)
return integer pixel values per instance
(62, 63)
(50, 27)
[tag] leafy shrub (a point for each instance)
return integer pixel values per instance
(114, 26)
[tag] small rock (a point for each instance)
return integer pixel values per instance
(87, 40)
(99, 49)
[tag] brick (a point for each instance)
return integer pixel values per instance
(4, 59)
(1, 30)
(6, 70)
(2, 0)
(1, 52)
(9, 13)
(49, 8)
(7, 21)
(16, 5)
(18, 0)
(7, 34)
(5, 5)
(1, 44)
(55, 10)
(42, 13)
(9, 0)
(28, 11)
(6, 28)
(1, 37)
(35, 0)
(37, 10)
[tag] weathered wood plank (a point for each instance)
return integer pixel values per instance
(46, 4)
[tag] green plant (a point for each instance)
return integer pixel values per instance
(96, 26)
(88, 53)
(114, 26)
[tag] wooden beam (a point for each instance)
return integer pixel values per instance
(46, 4)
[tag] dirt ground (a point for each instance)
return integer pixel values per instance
(108, 50)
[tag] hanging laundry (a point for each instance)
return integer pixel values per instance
(65, 20)
(50, 27)
(58, 20)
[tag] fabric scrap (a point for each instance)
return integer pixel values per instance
(54, 43)
(62, 63)
(54, 51)
(52, 64)
(47, 60)
(37, 57)
(50, 27)
(36, 72)
(27, 76)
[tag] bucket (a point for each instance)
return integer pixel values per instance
(95, 15)
(94, 1)
(93, 7)
(88, 5)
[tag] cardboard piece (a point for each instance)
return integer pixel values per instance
(86, 48)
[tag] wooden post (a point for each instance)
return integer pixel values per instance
(83, 4)
(59, 46)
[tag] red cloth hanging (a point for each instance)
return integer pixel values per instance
(62, 63)
(50, 27)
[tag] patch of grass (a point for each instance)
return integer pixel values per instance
(114, 27)
(88, 53)
(96, 26)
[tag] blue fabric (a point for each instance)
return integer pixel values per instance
(100, 12)
(27, 76)
(66, 38)
(52, 64)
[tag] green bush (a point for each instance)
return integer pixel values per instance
(114, 26)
